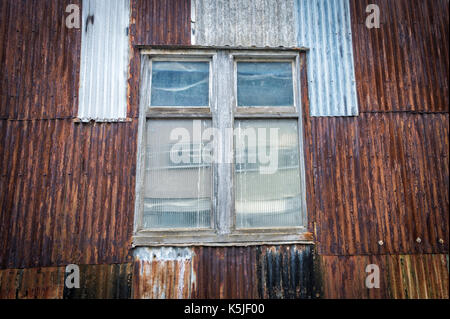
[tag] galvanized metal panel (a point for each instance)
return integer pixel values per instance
(165, 272)
(324, 26)
(104, 60)
(235, 23)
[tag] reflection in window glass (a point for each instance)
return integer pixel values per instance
(177, 176)
(264, 84)
(180, 84)
(267, 197)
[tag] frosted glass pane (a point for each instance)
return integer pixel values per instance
(264, 84)
(180, 84)
(267, 190)
(178, 181)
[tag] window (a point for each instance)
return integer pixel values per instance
(220, 149)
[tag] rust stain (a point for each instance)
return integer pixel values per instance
(163, 273)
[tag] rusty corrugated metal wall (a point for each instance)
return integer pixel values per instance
(402, 66)
(67, 189)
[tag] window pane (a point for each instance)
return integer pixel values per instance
(180, 84)
(178, 179)
(267, 174)
(264, 84)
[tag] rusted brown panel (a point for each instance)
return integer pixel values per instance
(421, 276)
(379, 177)
(103, 282)
(344, 277)
(403, 65)
(161, 22)
(227, 272)
(39, 60)
(33, 283)
(67, 192)
(256, 272)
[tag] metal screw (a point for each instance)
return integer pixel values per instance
(418, 240)
(380, 243)
(441, 241)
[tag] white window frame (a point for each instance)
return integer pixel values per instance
(223, 88)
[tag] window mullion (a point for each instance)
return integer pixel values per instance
(223, 122)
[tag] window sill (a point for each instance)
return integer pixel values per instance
(217, 240)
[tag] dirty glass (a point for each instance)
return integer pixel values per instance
(264, 84)
(267, 174)
(178, 170)
(180, 84)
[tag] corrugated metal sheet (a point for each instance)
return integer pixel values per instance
(104, 60)
(227, 272)
(256, 272)
(404, 65)
(34, 283)
(324, 26)
(66, 192)
(163, 273)
(102, 282)
(243, 23)
(161, 22)
(288, 272)
(39, 60)
(401, 277)
(96, 281)
(381, 176)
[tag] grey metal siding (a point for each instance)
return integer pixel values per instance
(324, 26)
(104, 60)
(258, 23)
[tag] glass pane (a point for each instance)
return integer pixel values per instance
(178, 181)
(264, 84)
(267, 174)
(180, 84)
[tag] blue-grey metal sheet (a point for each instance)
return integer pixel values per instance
(324, 26)
(104, 60)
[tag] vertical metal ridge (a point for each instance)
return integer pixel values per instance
(104, 60)
(324, 26)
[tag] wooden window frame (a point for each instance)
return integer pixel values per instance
(223, 67)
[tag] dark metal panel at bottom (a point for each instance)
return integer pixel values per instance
(256, 272)
(33, 283)
(288, 272)
(102, 282)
